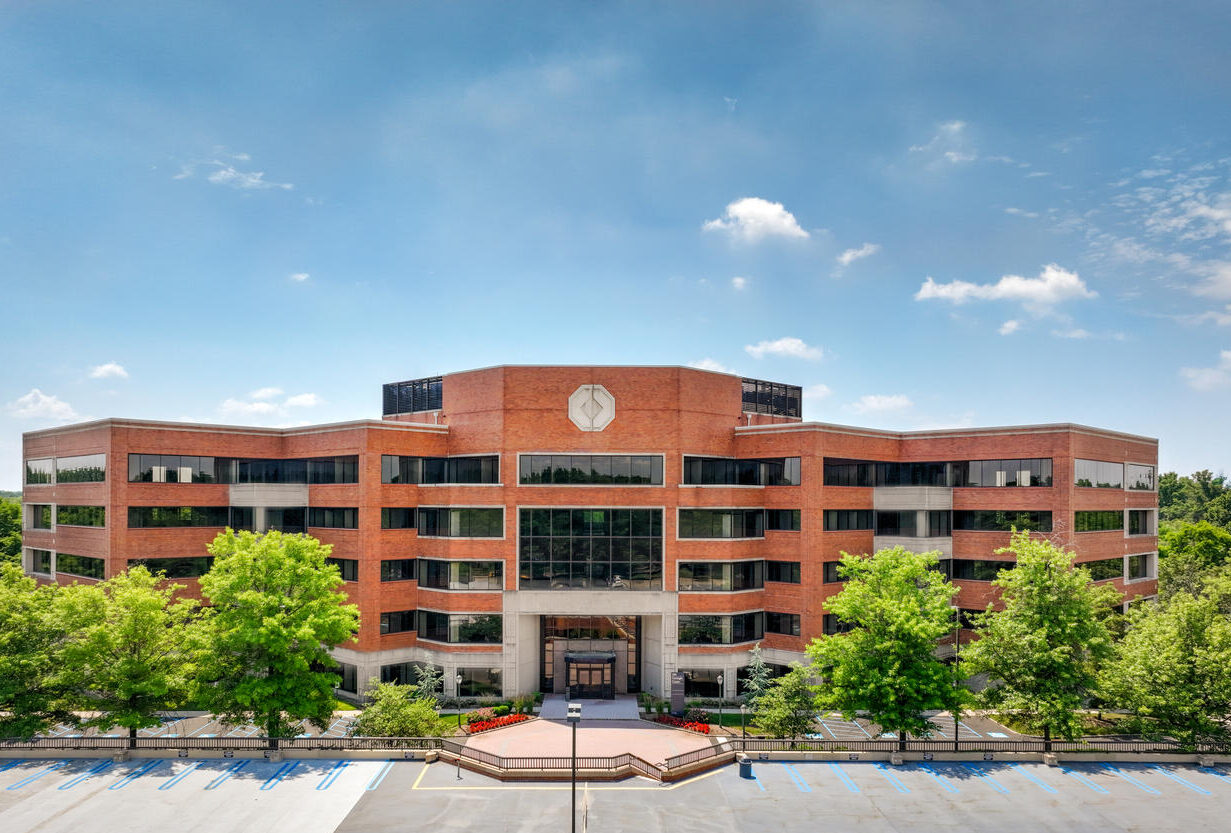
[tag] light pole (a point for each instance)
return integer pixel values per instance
(743, 712)
(457, 692)
(574, 717)
(721, 693)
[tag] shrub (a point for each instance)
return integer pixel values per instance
(661, 707)
(500, 711)
(480, 714)
(697, 716)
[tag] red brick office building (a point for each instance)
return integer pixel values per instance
(528, 528)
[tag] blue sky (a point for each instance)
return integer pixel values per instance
(927, 214)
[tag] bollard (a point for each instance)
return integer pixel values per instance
(1050, 759)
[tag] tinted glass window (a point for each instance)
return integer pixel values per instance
(40, 471)
(88, 468)
(81, 515)
(590, 548)
(189, 567)
(79, 565)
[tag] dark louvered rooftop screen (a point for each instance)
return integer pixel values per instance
(413, 395)
(761, 397)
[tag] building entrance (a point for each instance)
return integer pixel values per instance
(591, 675)
(591, 653)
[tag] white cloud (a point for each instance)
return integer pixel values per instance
(948, 145)
(300, 277)
(752, 219)
(1034, 174)
(265, 393)
(1209, 378)
(302, 400)
(39, 405)
(878, 403)
(108, 371)
(786, 346)
(239, 408)
(1076, 332)
(244, 180)
(851, 255)
(817, 391)
(1222, 319)
(1021, 212)
(1009, 327)
(739, 283)
(1053, 286)
(711, 364)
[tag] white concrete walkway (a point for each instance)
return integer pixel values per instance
(624, 707)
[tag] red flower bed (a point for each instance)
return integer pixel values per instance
(496, 722)
(681, 723)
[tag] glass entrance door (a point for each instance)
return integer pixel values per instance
(591, 680)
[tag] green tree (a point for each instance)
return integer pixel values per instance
(1218, 511)
(1041, 652)
(788, 705)
(276, 611)
(1190, 498)
(758, 677)
(1174, 667)
(430, 681)
(10, 531)
(33, 636)
(899, 605)
(130, 661)
(1187, 552)
(397, 711)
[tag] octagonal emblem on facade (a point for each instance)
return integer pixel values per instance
(591, 407)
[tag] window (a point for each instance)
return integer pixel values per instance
(896, 523)
(591, 548)
(170, 468)
(431, 471)
(784, 571)
(1098, 474)
(722, 523)
(832, 625)
(1036, 471)
(784, 623)
(40, 561)
(592, 469)
(40, 471)
(741, 676)
(840, 472)
(464, 628)
(167, 516)
(460, 523)
(414, 395)
(333, 517)
(479, 682)
(1141, 522)
(348, 568)
(397, 517)
(349, 674)
(973, 569)
(782, 519)
(702, 682)
(398, 621)
(461, 575)
(399, 569)
(722, 629)
(189, 567)
(407, 673)
(830, 572)
(761, 397)
(940, 523)
(1140, 567)
(722, 471)
(1104, 569)
(286, 518)
(1098, 521)
(81, 515)
(343, 469)
(1021, 472)
(1138, 477)
(40, 515)
(721, 575)
(1001, 520)
(841, 520)
(79, 565)
(88, 468)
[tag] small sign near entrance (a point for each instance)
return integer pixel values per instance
(677, 692)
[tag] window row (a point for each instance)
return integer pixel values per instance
(81, 515)
(450, 522)
(1100, 474)
(80, 565)
(84, 468)
(592, 469)
(721, 575)
(461, 575)
(782, 571)
(594, 548)
(184, 567)
(1098, 521)
(432, 471)
(720, 471)
(722, 523)
(784, 623)
(348, 568)
(591, 522)
(721, 629)
(1031, 471)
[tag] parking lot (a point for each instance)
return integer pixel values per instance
(373, 796)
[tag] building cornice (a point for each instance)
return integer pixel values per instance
(248, 430)
(946, 433)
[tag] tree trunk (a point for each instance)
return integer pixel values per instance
(902, 740)
(132, 738)
(270, 721)
(1046, 737)
(957, 716)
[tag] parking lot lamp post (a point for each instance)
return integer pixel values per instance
(721, 693)
(743, 712)
(574, 717)
(457, 691)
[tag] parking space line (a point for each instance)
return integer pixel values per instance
(11, 764)
(936, 777)
(332, 775)
(134, 775)
(231, 770)
(995, 785)
(1183, 781)
(1023, 771)
(283, 771)
(94, 770)
(892, 778)
(797, 778)
(181, 776)
(1083, 779)
(380, 776)
(30, 779)
(846, 779)
(758, 780)
(202, 728)
(1216, 772)
(968, 729)
(1130, 779)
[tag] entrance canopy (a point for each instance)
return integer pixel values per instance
(590, 675)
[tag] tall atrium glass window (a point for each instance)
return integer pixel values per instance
(591, 549)
(591, 469)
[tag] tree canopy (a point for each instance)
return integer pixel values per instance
(397, 711)
(787, 706)
(10, 531)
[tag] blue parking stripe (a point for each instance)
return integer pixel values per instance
(995, 785)
(1130, 779)
(797, 778)
(332, 775)
(227, 773)
(846, 779)
(11, 764)
(825, 726)
(1216, 772)
(1183, 781)
(380, 776)
(936, 777)
(968, 729)
(282, 772)
(30, 779)
(180, 777)
(758, 780)
(134, 775)
(892, 778)
(1022, 770)
(89, 773)
(1083, 779)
